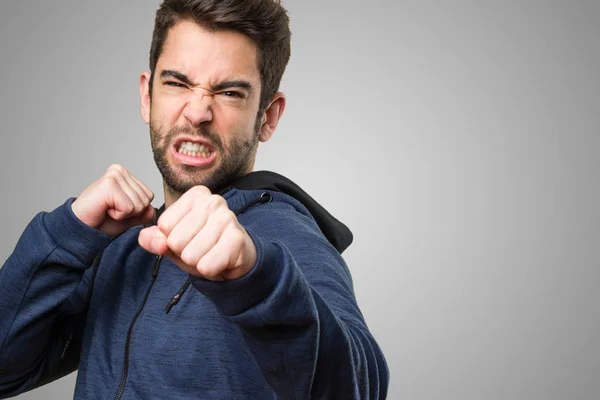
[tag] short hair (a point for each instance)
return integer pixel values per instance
(265, 22)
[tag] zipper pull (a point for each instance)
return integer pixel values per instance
(175, 299)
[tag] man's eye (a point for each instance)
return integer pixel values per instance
(176, 84)
(233, 94)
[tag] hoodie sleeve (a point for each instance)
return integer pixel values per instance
(40, 287)
(298, 312)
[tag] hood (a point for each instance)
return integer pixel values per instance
(335, 231)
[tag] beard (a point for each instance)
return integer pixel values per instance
(234, 160)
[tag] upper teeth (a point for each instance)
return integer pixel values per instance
(195, 147)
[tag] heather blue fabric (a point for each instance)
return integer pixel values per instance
(290, 329)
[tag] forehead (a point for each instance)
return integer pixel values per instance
(208, 57)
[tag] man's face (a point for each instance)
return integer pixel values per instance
(203, 111)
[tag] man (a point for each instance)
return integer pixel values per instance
(235, 288)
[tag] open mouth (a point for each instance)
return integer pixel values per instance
(194, 153)
(193, 149)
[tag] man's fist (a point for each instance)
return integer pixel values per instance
(202, 236)
(115, 202)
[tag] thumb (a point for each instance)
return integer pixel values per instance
(146, 216)
(153, 240)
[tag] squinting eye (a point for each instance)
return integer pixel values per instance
(233, 94)
(176, 84)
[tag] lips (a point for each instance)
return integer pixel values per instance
(193, 152)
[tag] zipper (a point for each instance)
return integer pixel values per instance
(155, 270)
(64, 352)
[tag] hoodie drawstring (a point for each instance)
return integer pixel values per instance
(264, 198)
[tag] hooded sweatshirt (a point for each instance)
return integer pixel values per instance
(136, 326)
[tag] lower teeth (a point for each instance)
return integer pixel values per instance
(194, 154)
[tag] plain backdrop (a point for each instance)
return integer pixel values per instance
(459, 140)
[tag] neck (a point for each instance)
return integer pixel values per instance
(170, 195)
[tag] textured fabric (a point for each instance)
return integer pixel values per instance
(290, 329)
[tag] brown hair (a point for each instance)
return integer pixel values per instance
(263, 21)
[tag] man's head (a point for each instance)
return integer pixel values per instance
(212, 91)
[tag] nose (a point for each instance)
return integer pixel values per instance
(199, 108)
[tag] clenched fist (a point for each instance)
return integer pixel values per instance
(202, 236)
(115, 202)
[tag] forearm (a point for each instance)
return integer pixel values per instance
(43, 271)
(308, 338)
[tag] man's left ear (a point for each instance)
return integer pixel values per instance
(271, 117)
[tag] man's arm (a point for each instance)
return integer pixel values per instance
(41, 289)
(42, 293)
(298, 313)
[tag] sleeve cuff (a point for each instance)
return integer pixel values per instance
(236, 296)
(72, 235)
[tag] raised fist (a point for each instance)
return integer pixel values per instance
(202, 236)
(115, 202)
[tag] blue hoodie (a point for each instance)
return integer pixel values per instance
(73, 298)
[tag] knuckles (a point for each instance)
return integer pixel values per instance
(237, 238)
(187, 257)
(202, 196)
(175, 244)
(199, 192)
(118, 168)
(207, 271)
(217, 202)
(224, 217)
(164, 226)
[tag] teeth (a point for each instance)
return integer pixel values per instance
(194, 149)
(201, 152)
(193, 146)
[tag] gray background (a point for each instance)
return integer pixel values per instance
(459, 140)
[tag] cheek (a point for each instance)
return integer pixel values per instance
(233, 122)
(165, 112)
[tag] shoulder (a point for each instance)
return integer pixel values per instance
(278, 215)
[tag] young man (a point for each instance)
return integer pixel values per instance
(235, 288)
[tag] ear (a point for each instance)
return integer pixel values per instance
(271, 117)
(145, 96)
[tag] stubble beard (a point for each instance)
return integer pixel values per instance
(235, 160)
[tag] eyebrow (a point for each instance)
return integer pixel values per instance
(232, 84)
(240, 84)
(169, 73)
